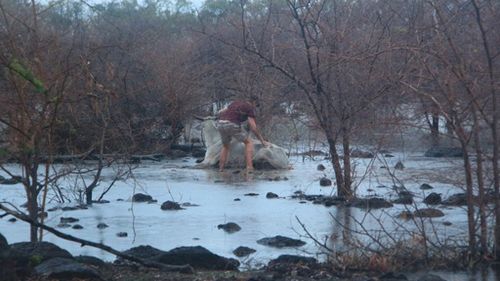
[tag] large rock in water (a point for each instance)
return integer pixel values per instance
(273, 157)
(66, 269)
(199, 258)
(42, 250)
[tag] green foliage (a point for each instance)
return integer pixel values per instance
(35, 260)
(27, 75)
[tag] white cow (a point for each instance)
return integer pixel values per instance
(273, 157)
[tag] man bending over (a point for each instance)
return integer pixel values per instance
(230, 126)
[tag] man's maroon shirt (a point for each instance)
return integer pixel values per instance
(238, 112)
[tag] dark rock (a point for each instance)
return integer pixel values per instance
(71, 208)
(404, 197)
(426, 186)
(271, 195)
(325, 182)
(198, 153)
(388, 155)
(42, 250)
(357, 153)
(77, 226)
(428, 213)
(122, 234)
(242, 251)
(433, 199)
(143, 252)
(12, 220)
(175, 153)
(170, 205)
(63, 268)
(199, 160)
(237, 199)
(53, 209)
(102, 225)
(399, 166)
(68, 220)
(447, 223)
(459, 199)
(229, 227)
(321, 167)
(391, 276)
(251, 194)
(140, 197)
(102, 201)
(199, 258)
(90, 260)
(4, 245)
(293, 259)
(63, 225)
(280, 242)
(430, 277)
(443, 151)
(370, 203)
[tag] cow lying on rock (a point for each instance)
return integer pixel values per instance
(272, 157)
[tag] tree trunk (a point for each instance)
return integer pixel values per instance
(435, 129)
(337, 168)
(347, 163)
(483, 224)
(470, 200)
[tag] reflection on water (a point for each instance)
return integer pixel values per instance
(491, 273)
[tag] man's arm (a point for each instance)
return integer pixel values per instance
(253, 128)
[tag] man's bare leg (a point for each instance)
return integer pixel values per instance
(249, 154)
(224, 154)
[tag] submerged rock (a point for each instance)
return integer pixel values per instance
(229, 227)
(102, 225)
(243, 251)
(122, 234)
(459, 199)
(170, 205)
(399, 166)
(140, 197)
(370, 203)
(325, 182)
(281, 242)
(271, 195)
(68, 220)
(320, 167)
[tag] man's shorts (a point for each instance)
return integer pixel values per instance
(230, 130)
